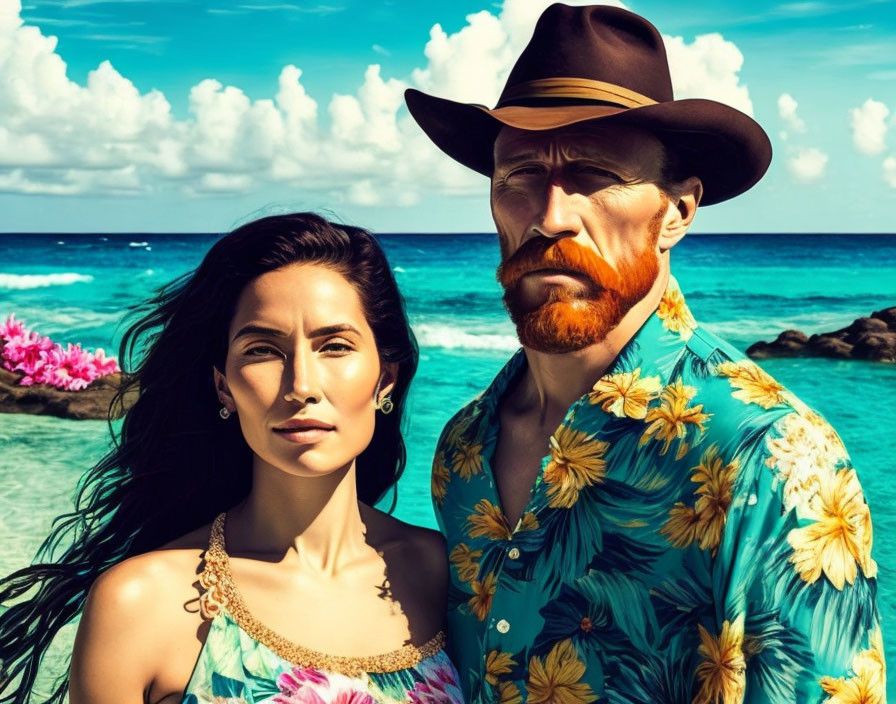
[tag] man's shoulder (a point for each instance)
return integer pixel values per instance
(741, 397)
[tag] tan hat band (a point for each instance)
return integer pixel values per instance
(577, 88)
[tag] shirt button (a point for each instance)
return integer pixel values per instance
(502, 626)
(513, 553)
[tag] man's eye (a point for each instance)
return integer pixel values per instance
(524, 171)
(589, 170)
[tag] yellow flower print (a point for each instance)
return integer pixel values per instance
(509, 693)
(670, 420)
(557, 679)
(716, 481)
(487, 521)
(836, 541)
(483, 592)
(527, 521)
(721, 674)
(577, 461)
(457, 432)
(465, 562)
(674, 313)
(704, 522)
(467, 458)
(754, 384)
(681, 527)
(868, 683)
(441, 475)
(805, 456)
(626, 394)
(497, 664)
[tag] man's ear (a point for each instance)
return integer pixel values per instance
(223, 390)
(388, 377)
(681, 212)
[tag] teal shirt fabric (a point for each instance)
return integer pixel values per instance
(696, 534)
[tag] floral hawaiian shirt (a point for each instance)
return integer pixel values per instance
(696, 534)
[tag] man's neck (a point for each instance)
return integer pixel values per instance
(553, 382)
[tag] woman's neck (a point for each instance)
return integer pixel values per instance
(316, 520)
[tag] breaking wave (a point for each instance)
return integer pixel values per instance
(21, 282)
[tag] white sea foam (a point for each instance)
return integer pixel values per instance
(62, 319)
(452, 337)
(137, 244)
(20, 282)
(769, 328)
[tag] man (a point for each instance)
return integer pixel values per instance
(635, 512)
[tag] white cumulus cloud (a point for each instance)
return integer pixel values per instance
(709, 67)
(58, 136)
(869, 126)
(889, 169)
(787, 106)
(807, 164)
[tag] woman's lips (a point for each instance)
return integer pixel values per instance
(304, 431)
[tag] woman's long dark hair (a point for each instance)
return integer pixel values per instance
(176, 464)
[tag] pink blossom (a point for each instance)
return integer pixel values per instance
(41, 361)
(12, 328)
(289, 682)
(347, 696)
(305, 695)
(440, 687)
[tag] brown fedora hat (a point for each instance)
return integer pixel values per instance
(608, 64)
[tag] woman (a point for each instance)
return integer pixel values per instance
(228, 543)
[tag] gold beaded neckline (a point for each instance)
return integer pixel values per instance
(220, 594)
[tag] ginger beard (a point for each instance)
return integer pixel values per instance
(572, 318)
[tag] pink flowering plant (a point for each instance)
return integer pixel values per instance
(43, 361)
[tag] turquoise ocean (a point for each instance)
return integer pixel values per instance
(75, 288)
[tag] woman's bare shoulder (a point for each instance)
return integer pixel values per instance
(141, 614)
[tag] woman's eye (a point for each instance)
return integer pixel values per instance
(261, 351)
(337, 346)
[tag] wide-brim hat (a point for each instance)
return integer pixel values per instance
(604, 64)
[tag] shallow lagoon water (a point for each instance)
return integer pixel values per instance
(747, 287)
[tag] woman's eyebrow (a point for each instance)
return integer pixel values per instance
(258, 330)
(330, 329)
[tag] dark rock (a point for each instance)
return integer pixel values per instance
(827, 346)
(888, 315)
(789, 343)
(872, 339)
(858, 327)
(876, 347)
(90, 403)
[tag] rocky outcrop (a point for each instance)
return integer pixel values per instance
(39, 399)
(872, 339)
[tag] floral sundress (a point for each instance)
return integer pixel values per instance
(243, 661)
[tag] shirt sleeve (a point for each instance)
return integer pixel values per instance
(796, 576)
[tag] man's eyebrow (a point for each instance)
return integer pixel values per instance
(517, 157)
(258, 330)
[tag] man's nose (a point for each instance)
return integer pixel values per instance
(560, 216)
(302, 381)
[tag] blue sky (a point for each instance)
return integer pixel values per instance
(194, 116)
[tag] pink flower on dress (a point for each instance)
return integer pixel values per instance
(304, 695)
(298, 677)
(353, 697)
(440, 687)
